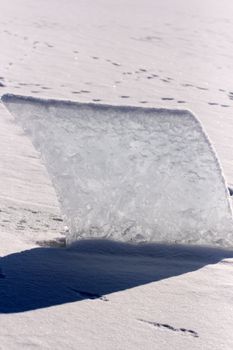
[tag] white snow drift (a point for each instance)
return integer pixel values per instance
(129, 173)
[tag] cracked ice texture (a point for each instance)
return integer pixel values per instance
(129, 173)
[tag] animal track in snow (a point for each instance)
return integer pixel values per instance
(167, 98)
(202, 88)
(116, 64)
(48, 45)
(148, 38)
(113, 63)
(32, 211)
(187, 85)
(57, 219)
(167, 327)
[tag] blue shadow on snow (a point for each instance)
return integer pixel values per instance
(44, 277)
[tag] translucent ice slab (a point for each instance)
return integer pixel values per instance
(129, 173)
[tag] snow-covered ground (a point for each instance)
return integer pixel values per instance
(170, 53)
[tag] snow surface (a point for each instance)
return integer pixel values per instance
(130, 174)
(163, 53)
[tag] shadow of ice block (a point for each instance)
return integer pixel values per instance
(94, 269)
(129, 173)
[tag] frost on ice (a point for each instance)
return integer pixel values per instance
(129, 173)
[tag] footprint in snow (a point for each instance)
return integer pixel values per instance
(167, 327)
(202, 88)
(167, 98)
(116, 64)
(187, 85)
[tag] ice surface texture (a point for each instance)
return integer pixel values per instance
(129, 173)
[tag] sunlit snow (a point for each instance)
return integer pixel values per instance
(100, 294)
